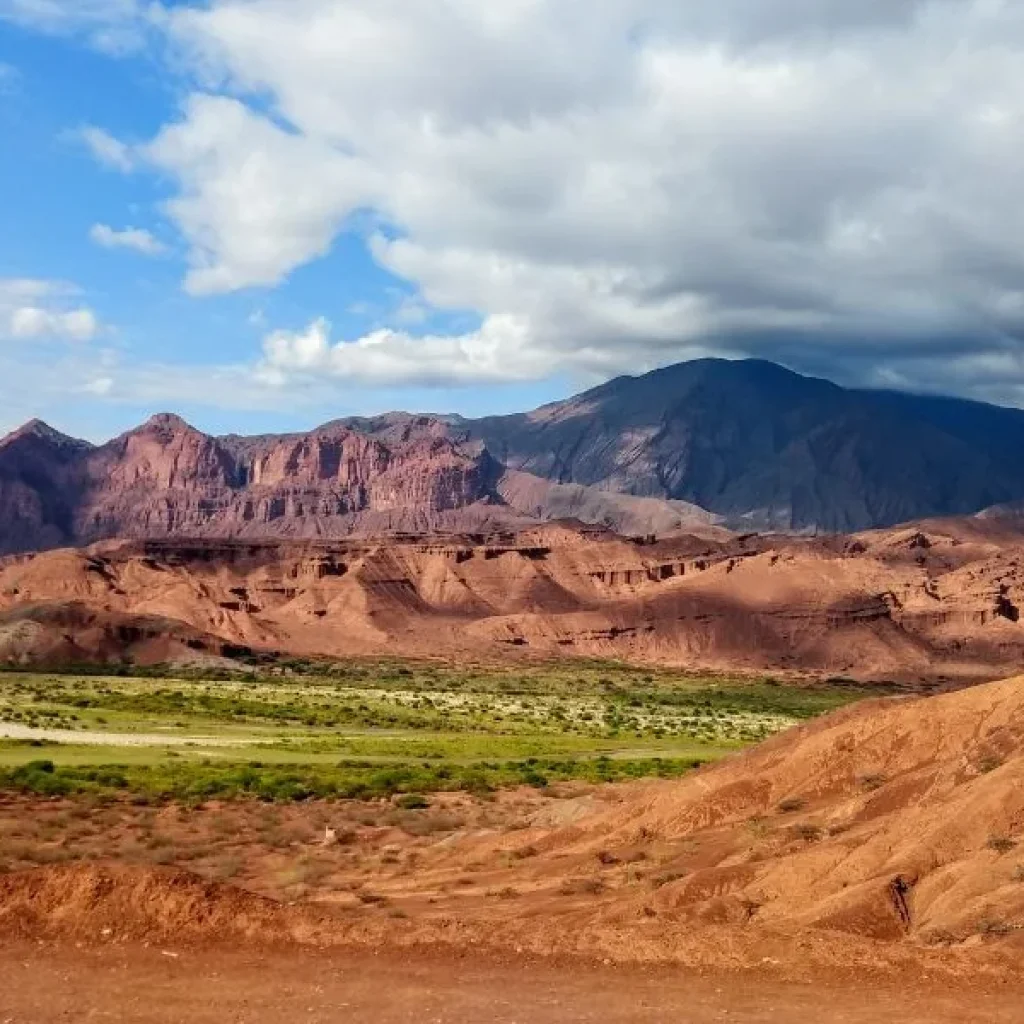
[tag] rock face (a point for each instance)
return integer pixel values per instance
(39, 470)
(167, 479)
(767, 448)
(936, 601)
(746, 444)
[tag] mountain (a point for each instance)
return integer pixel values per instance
(402, 474)
(38, 470)
(766, 448)
(745, 444)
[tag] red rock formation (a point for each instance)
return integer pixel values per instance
(167, 479)
(873, 606)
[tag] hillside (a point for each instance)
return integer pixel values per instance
(167, 479)
(939, 602)
(766, 448)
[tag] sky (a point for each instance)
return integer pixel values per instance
(263, 214)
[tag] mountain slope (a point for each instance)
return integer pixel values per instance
(763, 446)
(746, 444)
(166, 479)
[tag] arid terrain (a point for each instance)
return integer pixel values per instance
(417, 729)
(166, 986)
(881, 841)
(934, 602)
(511, 511)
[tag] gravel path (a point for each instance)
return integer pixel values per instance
(12, 731)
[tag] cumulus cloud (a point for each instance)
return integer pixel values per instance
(98, 386)
(614, 186)
(256, 201)
(138, 239)
(33, 309)
(395, 357)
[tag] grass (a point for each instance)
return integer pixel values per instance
(367, 729)
(197, 782)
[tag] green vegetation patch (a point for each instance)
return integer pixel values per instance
(189, 782)
(374, 728)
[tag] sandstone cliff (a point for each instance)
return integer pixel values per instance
(938, 602)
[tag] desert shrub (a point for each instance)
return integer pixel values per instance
(413, 802)
(193, 783)
(992, 928)
(39, 778)
(792, 805)
(667, 878)
(1001, 844)
(808, 833)
(872, 782)
(582, 887)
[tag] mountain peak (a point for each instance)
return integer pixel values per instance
(167, 421)
(37, 428)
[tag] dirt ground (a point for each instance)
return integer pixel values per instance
(866, 868)
(43, 984)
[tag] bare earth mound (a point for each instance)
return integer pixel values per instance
(884, 838)
(886, 835)
(138, 905)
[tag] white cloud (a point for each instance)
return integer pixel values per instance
(608, 186)
(256, 201)
(625, 182)
(137, 239)
(99, 386)
(33, 309)
(394, 357)
(107, 150)
(114, 26)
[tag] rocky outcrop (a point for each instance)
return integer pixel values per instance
(39, 488)
(167, 479)
(875, 606)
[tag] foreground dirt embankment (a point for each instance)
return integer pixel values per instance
(885, 838)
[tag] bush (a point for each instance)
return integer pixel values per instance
(413, 802)
(872, 782)
(808, 833)
(1001, 844)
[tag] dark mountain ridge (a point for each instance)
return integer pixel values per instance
(755, 445)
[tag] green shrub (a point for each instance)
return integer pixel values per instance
(413, 802)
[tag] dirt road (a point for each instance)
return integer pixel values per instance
(41, 985)
(12, 731)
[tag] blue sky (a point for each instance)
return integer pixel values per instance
(263, 214)
(56, 83)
